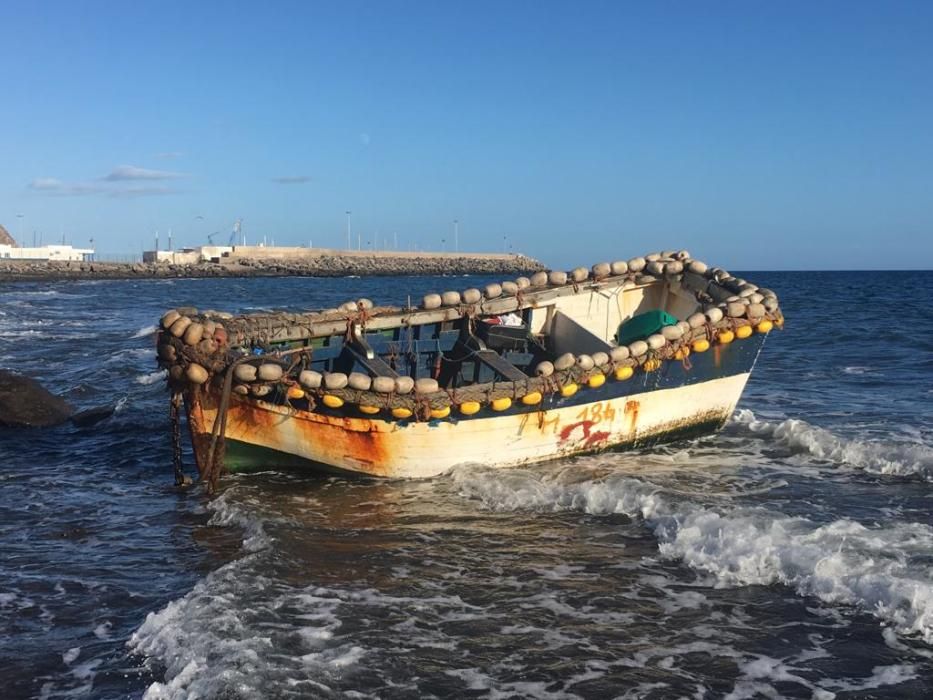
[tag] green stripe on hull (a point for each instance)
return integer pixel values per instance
(243, 458)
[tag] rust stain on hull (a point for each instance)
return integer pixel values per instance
(334, 440)
(410, 449)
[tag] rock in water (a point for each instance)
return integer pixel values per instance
(24, 403)
(85, 419)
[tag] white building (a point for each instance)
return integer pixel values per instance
(188, 256)
(49, 252)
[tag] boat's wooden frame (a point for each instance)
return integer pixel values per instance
(576, 412)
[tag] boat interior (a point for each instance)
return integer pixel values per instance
(482, 349)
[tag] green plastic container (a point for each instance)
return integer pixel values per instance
(641, 326)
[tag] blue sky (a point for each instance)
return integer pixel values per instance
(757, 135)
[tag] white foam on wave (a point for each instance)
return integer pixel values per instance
(246, 632)
(145, 331)
(204, 629)
(152, 377)
(858, 371)
(760, 673)
(841, 562)
(892, 458)
(227, 511)
(229, 633)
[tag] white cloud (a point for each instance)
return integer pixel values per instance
(50, 186)
(124, 173)
(46, 183)
(54, 186)
(133, 192)
(291, 179)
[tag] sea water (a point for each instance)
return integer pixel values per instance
(791, 555)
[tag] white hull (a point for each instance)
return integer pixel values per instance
(424, 449)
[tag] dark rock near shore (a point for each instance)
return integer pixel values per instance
(24, 403)
(374, 265)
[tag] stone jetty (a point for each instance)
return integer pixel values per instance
(325, 265)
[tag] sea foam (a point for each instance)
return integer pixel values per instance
(891, 458)
(878, 570)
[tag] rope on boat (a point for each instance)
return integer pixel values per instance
(217, 449)
(199, 351)
(177, 466)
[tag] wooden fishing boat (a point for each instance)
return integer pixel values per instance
(623, 355)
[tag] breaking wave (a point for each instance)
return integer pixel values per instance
(878, 570)
(145, 332)
(213, 639)
(151, 377)
(890, 458)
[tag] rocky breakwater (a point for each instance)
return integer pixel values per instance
(374, 264)
(377, 265)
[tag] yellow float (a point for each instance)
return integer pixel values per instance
(682, 353)
(502, 404)
(568, 390)
(623, 373)
(743, 332)
(439, 413)
(700, 345)
(596, 381)
(369, 410)
(332, 401)
(725, 337)
(401, 413)
(468, 408)
(764, 326)
(295, 392)
(651, 365)
(531, 399)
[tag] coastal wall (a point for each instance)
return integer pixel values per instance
(252, 252)
(326, 264)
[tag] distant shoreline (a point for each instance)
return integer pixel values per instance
(363, 265)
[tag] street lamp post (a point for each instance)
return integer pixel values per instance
(456, 236)
(348, 229)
